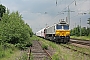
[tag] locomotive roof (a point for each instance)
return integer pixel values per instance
(60, 23)
(63, 22)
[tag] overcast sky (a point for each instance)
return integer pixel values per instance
(39, 13)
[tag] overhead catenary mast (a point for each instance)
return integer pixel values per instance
(0, 2)
(56, 2)
(68, 17)
(75, 3)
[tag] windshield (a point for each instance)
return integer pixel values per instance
(58, 27)
(66, 27)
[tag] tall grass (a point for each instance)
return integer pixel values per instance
(56, 56)
(24, 56)
(6, 50)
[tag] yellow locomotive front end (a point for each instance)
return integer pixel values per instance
(62, 33)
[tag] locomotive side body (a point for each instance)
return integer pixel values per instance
(50, 32)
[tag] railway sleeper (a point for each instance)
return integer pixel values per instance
(76, 50)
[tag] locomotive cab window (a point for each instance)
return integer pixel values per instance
(58, 26)
(66, 27)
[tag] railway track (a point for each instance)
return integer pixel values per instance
(38, 53)
(80, 42)
(76, 50)
(86, 43)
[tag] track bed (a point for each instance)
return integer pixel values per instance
(38, 53)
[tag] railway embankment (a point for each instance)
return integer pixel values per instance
(68, 51)
(56, 51)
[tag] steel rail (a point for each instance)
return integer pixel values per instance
(45, 51)
(30, 51)
(76, 50)
(86, 43)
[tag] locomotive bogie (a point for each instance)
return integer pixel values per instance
(62, 39)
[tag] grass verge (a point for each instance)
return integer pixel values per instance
(66, 54)
(81, 37)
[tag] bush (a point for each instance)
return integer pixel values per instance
(45, 46)
(13, 29)
(20, 46)
(7, 45)
(29, 44)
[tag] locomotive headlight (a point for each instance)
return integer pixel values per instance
(57, 33)
(67, 33)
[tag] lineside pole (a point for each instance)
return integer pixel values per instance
(80, 26)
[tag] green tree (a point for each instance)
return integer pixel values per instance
(84, 31)
(13, 29)
(73, 31)
(78, 30)
(88, 21)
(2, 10)
(88, 31)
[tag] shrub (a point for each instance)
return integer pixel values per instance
(28, 44)
(45, 46)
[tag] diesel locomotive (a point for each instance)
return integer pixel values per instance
(58, 32)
